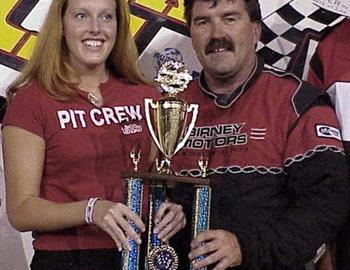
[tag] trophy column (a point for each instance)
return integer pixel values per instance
(201, 213)
(201, 207)
(134, 191)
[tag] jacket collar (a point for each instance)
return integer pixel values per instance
(225, 101)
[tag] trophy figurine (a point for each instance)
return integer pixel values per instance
(169, 126)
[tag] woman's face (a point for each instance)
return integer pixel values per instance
(90, 31)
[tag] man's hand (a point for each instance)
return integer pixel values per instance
(221, 248)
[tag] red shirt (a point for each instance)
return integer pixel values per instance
(87, 149)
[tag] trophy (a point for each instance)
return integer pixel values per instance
(169, 126)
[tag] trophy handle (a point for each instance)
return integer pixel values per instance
(194, 109)
(149, 102)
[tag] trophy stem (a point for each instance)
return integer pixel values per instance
(134, 191)
(201, 214)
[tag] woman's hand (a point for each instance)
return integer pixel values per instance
(114, 219)
(169, 220)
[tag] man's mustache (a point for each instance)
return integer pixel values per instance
(217, 43)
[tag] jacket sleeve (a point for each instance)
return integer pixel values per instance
(315, 74)
(318, 192)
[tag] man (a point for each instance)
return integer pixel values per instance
(331, 64)
(273, 146)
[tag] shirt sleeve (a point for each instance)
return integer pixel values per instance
(315, 74)
(25, 112)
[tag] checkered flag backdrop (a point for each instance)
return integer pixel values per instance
(291, 31)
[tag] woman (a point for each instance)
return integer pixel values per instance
(75, 113)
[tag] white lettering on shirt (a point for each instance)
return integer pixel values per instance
(134, 112)
(120, 113)
(100, 117)
(109, 116)
(71, 117)
(95, 115)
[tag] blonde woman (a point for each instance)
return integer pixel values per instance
(74, 115)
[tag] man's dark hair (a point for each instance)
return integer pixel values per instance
(252, 7)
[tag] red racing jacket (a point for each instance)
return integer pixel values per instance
(276, 156)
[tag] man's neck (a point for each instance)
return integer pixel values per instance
(227, 85)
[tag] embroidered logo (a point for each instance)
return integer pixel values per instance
(328, 132)
(225, 135)
(131, 129)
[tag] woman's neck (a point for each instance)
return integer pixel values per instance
(91, 80)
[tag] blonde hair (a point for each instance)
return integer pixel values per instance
(49, 64)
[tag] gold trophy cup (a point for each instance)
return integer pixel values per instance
(170, 113)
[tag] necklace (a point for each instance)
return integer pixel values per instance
(95, 98)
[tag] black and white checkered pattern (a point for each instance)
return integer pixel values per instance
(288, 26)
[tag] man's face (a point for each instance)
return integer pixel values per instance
(224, 38)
